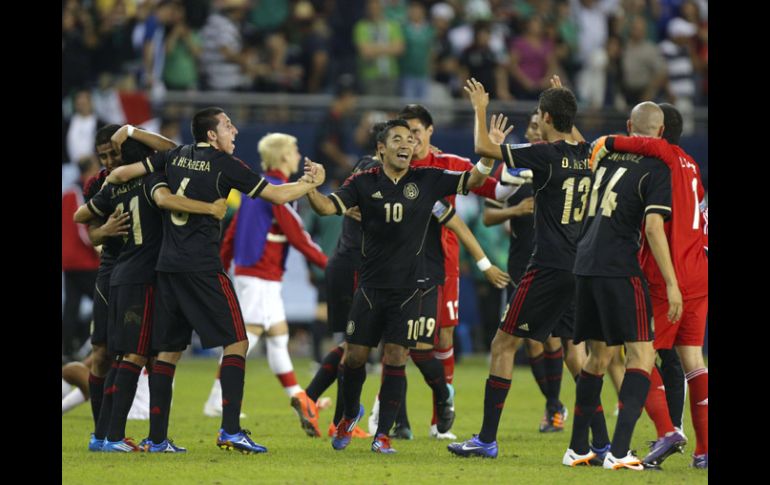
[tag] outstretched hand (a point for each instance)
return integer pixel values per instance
(479, 97)
(497, 277)
(497, 130)
(556, 81)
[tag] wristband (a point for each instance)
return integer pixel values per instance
(483, 168)
(130, 130)
(483, 264)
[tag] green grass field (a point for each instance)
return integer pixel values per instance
(526, 456)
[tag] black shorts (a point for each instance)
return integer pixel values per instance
(384, 314)
(430, 301)
(204, 301)
(101, 310)
(535, 308)
(613, 310)
(566, 327)
(131, 317)
(341, 279)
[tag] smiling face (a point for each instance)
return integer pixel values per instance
(108, 156)
(396, 152)
(421, 136)
(223, 137)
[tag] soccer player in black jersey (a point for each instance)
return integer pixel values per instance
(613, 303)
(132, 281)
(561, 179)
(193, 291)
(396, 203)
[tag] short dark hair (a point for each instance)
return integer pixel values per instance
(374, 132)
(382, 136)
(203, 121)
(104, 134)
(672, 121)
(416, 112)
(134, 151)
(561, 104)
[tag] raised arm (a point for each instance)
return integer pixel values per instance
(125, 173)
(483, 145)
(152, 140)
(656, 237)
(492, 273)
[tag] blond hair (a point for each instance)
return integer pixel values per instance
(272, 147)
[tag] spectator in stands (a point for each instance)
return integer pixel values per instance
(79, 39)
(644, 70)
(592, 20)
(332, 138)
(379, 42)
(480, 62)
(79, 131)
(678, 51)
(153, 45)
(309, 46)
(282, 76)
(415, 62)
(226, 66)
(183, 50)
(445, 64)
(532, 60)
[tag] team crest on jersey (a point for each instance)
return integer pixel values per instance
(351, 327)
(411, 191)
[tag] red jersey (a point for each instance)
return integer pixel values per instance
(77, 252)
(271, 239)
(687, 229)
(448, 238)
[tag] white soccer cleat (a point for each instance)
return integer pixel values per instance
(629, 461)
(441, 436)
(571, 458)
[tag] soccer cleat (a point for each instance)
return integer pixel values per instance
(357, 432)
(629, 461)
(345, 428)
(215, 411)
(441, 436)
(402, 433)
(308, 413)
(381, 444)
(554, 421)
(239, 441)
(665, 447)
(700, 461)
(126, 445)
(445, 412)
(474, 446)
(95, 444)
(374, 417)
(165, 446)
(571, 458)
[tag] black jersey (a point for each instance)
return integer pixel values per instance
(434, 248)
(395, 218)
(626, 187)
(201, 172)
(522, 237)
(349, 243)
(136, 262)
(111, 245)
(562, 180)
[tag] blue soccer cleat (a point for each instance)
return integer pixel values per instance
(381, 444)
(126, 445)
(700, 461)
(165, 446)
(239, 441)
(345, 430)
(95, 444)
(600, 454)
(474, 447)
(664, 447)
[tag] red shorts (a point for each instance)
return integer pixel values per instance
(691, 328)
(450, 303)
